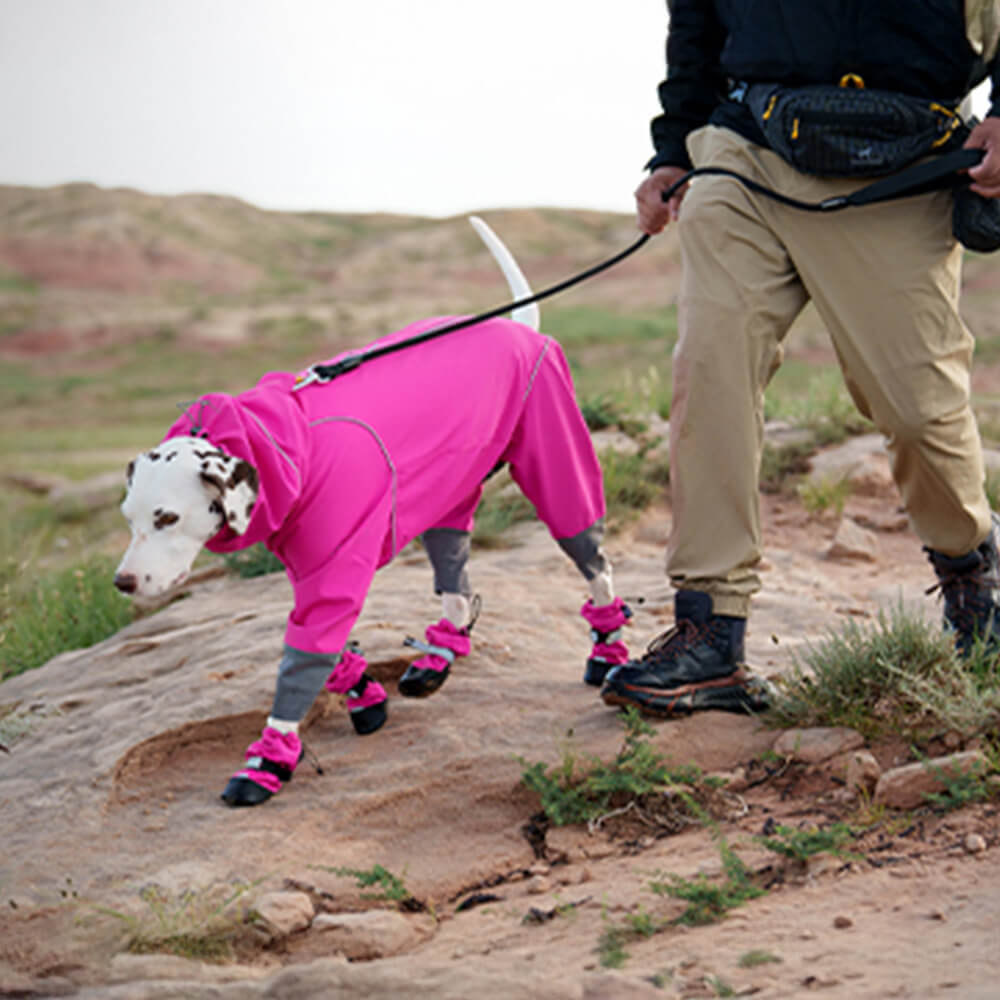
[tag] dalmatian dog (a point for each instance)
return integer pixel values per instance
(336, 477)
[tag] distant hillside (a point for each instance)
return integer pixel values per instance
(82, 265)
(76, 257)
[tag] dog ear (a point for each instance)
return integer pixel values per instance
(236, 484)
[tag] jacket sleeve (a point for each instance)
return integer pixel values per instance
(694, 83)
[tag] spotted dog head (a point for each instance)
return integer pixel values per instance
(177, 497)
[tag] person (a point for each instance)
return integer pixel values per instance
(884, 279)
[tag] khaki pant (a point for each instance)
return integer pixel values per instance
(885, 280)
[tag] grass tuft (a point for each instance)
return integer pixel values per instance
(71, 609)
(900, 676)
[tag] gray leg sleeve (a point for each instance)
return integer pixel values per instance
(448, 551)
(300, 679)
(585, 550)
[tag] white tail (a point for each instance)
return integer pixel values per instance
(519, 288)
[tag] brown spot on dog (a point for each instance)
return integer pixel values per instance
(164, 518)
(129, 472)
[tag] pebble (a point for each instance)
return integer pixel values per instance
(975, 843)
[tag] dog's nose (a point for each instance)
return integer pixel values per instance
(127, 583)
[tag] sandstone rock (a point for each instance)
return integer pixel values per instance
(975, 843)
(862, 461)
(863, 771)
(284, 913)
(853, 542)
(908, 786)
(127, 968)
(815, 745)
(372, 934)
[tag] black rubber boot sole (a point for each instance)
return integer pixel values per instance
(367, 720)
(419, 682)
(244, 792)
(738, 692)
(596, 671)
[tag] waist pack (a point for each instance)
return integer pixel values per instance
(853, 131)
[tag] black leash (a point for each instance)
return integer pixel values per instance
(931, 175)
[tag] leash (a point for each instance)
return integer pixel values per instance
(931, 175)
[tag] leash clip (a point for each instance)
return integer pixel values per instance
(308, 377)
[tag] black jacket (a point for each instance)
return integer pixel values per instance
(916, 47)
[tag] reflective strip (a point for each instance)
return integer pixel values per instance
(426, 647)
(256, 763)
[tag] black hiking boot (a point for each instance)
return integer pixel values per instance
(696, 665)
(970, 586)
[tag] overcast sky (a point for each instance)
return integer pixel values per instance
(432, 107)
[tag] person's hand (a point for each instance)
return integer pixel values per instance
(985, 175)
(653, 212)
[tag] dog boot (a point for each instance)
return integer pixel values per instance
(270, 761)
(444, 642)
(366, 698)
(606, 624)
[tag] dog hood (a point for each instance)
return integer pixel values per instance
(266, 429)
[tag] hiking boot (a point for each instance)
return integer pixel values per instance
(606, 625)
(697, 664)
(970, 586)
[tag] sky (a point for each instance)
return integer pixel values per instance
(426, 107)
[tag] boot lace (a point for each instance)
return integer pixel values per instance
(677, 639)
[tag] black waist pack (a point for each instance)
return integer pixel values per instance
(850, 131)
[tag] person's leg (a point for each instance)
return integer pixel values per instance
(739, 295)
(887, 287)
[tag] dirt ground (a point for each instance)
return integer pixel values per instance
(118, 753)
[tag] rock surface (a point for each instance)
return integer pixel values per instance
(109, 800)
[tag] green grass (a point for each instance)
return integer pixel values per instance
(71, 609)
(578, 790)
(389, 888)
(709, 900)
(898, 676)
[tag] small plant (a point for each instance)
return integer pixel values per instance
(391, 888)
(801, 845)
(898, 676)
(719, 986)
(961, 788)
(635, 926)
(503, 505)
(823, 495)
(755, 957)
(631, 483)
(192, 924)
(709, 901)
(571, 794)
(254, 561)
(611, 948)
(601, 411)
(778, 464)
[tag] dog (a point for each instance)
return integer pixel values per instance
(336, 477)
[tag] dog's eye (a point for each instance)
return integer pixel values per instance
(164, 518)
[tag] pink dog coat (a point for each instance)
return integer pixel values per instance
(352, 470)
